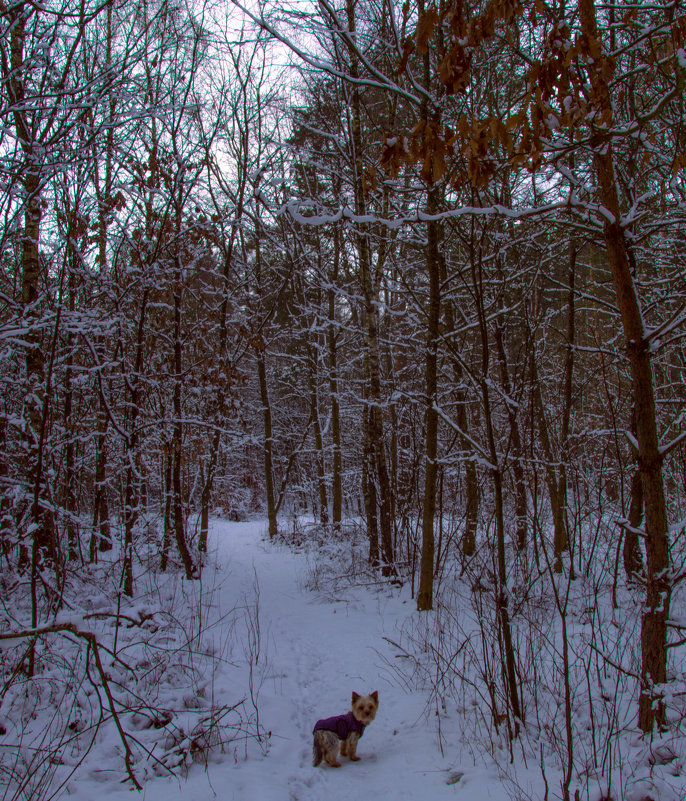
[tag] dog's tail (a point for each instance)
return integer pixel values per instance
(317, 754)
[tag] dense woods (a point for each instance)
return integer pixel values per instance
(409, 272)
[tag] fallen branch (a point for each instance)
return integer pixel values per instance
(93, 645)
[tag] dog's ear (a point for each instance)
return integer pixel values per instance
(356, 697)
(375, 696)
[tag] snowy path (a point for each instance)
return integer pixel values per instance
(317, 652)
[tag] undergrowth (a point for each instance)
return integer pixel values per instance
(139, 681)
(577, 643)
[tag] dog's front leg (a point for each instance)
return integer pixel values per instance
(351, 746)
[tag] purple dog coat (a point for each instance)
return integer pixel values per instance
(342, 725)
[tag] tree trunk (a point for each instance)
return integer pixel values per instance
(425, 592)
(462, 420)
(73, 546)
(206, 495)
(6, 528)
(131, 510)
(568, 392)
(221, 390)
(167, 460)
(521, 507)
(35, 361)
(376, 441)
(337, 462)
(658, 586)
(268, 443)
(101, 510)
(502, 603)
(509, 658)
(336, 478)
(631, 552)
(177, 441)
(557, 503)
(472, 509)
(69, 461)
(317, 431)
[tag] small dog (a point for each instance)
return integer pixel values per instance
(344, 731)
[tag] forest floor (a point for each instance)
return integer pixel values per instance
(305, 646)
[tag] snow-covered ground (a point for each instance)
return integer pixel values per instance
(315, 649)
(274, 638)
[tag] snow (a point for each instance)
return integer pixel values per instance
(607, 214)
(317, 647)
(276, 637)
(292, 208)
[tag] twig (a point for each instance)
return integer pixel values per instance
(405, 654)
(614, 664)
(92, 641)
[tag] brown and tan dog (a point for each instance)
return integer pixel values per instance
(343, 731)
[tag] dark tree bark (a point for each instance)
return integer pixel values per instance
(268, 442)
(425, 592)
(502, 594)
(658, 587)
(167, 469)
(463, 424)
(6, 539)
(337, 467)
(177, 434)
(632, 556)
(517, 460)
(13, 78)
(378, 470)
(102, 540)
(70, 449)
(131, 501)
(317, 431)
(369, 487)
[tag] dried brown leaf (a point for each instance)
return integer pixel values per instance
(425, 28)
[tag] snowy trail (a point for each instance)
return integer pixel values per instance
(319, 653)
(315, 652)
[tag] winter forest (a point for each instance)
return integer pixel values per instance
(387, 297)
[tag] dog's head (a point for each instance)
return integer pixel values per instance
(365, 706)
